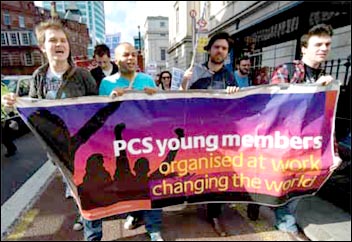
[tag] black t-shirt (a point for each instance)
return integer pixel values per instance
(311, 74)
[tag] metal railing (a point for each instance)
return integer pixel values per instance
(338, 68)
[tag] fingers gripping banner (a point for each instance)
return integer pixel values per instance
(262, 145)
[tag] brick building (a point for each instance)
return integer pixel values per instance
(20, 54)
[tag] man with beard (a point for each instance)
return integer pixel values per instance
(241, 75)
(213, 75)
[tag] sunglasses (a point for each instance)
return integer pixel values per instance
(165, 77)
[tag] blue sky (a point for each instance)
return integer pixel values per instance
(125, 16)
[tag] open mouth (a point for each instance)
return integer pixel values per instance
(59, 52)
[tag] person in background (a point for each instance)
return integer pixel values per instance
(7, 126)
(263, 76)
(242, 73)
(105, 66)
(157, 81)
(165, 80)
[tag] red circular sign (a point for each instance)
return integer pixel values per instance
(193, 13)
(202, 23)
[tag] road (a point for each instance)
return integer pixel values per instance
(17, 169)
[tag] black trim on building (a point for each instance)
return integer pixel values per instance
(291, 24)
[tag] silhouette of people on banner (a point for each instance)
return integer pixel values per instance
(102, 191)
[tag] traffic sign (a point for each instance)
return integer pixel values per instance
(202, 22)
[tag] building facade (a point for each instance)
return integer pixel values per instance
(92, 15)
(270, 31)
(181, 33)
(20, 54)
(156, 42)
(267, 31)
(112, 40)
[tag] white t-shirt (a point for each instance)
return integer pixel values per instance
(107, 72)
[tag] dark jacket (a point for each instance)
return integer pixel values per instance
(98, 73)
(202, 78)
(77, 82)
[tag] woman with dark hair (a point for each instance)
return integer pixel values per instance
(165, 80)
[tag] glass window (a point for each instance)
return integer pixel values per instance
(7, 18)
(21, 21)
(25, 40)
(14, 38)
(163, 54)
(3, 39)
(162, 24)
(32, 38)
(28, 59)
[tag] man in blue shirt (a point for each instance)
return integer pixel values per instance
(127, 78)
(116, 85)
(243, 68)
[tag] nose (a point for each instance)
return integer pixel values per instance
(324, 47)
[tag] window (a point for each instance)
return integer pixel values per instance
(3, 39)
(32, 38)
(25, 39)
(5, 59)
(21, 21)
(28, 59)
(14, 38)
(162, 24)
(37, 58)
(7, 18)
(162, 54)
(163, 35)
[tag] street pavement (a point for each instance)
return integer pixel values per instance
(17, 169)
(51, 218)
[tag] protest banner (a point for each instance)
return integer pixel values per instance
(265, 144)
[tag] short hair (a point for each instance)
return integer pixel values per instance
(317, 30)
(50, 24)
(244, 57)
(101, 50)
(220, 35)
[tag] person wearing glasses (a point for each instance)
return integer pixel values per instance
(165, 80)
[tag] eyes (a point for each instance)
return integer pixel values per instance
(56, 40)
(220, 47)
(327, 45)
(133, 54)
